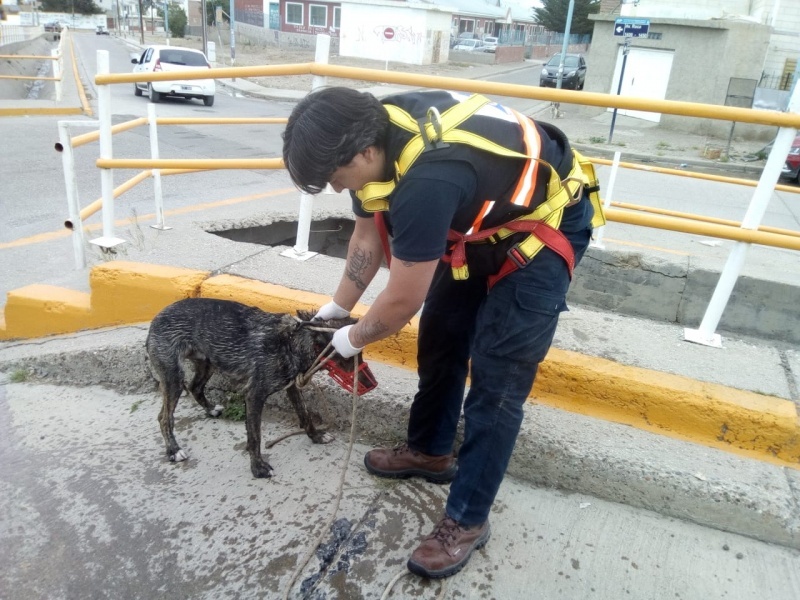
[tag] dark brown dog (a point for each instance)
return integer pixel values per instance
(263, 352)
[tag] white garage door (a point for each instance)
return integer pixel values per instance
(646, 76)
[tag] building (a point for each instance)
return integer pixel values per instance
(709, 51)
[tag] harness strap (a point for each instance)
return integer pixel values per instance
(380, 224)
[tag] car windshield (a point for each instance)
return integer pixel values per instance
(570, 61)
(181, 57)
(490, 40)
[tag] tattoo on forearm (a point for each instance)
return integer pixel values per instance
(369, 331)
(357, 265)
(407, 263)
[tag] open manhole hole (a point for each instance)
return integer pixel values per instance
(329, 236)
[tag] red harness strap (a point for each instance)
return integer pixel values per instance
(515, 259)
(380, 223)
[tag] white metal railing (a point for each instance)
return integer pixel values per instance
(10, 34)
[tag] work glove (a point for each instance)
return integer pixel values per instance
(331, 311)
(341, 343)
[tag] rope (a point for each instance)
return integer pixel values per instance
(339, 491)
(302, 379)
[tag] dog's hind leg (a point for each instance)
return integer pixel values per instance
(202, 373)
(171, 383)
(318, 436)
(254, 406)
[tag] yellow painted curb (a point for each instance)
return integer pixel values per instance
(127, 292)
(39, 310)
(746, 423)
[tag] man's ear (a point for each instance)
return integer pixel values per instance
(371, 154)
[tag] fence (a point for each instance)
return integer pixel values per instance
(744, 233)
(10, 34)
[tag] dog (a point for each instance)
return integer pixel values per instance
(262, 352)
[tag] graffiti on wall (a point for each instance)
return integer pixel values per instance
(390, 33)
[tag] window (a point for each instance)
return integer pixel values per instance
(337, 17)
(294, 13)
(318, 15)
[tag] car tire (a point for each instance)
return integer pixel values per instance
(136, 90)
(154, 95)
(208, 100)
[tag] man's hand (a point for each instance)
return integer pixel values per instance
(342, 345)
(331, 311)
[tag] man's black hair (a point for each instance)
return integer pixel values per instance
(326, 130)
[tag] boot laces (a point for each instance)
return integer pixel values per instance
(446, 531)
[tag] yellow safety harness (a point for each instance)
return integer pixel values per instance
(439, 131)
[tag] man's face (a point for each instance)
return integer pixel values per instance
(367, 166)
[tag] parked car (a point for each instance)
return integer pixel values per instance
(489, 44)
(52, 26)
(101, 30)
(791, 168)
(469, 46)
(173, 58)
(572, 78)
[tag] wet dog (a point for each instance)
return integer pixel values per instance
(260, 351)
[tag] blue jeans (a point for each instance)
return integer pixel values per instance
(498, 337)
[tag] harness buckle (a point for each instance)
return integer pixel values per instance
(516, 256)
(434, 119)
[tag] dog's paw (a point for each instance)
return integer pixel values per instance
(179, 456)
(262, 470)
(322, 437)
(216, 411)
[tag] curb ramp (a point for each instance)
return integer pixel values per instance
(724, 457)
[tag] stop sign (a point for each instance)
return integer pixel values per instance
(388, 33)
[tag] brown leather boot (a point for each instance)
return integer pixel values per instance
(403, 462)
(445, 551)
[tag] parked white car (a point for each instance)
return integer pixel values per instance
(469, 46)
(490, 44)
(173, 58)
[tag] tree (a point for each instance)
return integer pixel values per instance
(177, 21)
(553, 15)
(79, 7)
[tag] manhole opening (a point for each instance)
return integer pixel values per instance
(329, 236)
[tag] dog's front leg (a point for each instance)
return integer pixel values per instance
(254, 406)
(318, 436)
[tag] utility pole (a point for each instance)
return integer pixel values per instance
(233, 35)
(141, 23)
(204, 19)
(565, 44)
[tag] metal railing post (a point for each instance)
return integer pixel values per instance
(68, 162)
(755, 212)
(156, 173)
(107, 240)
(300, 250)
(597, 241)
(57, 73)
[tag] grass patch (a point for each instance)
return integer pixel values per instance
(234, 407)
(19, 376)
(662, 145)
(596, 139)
(135, 406)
